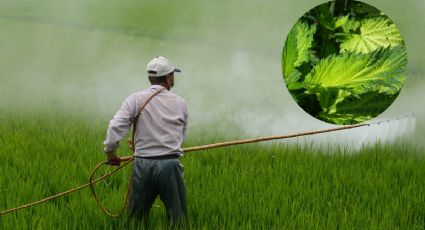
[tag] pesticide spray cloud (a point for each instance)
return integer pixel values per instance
(89, 56)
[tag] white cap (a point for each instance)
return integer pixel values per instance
(160, 66)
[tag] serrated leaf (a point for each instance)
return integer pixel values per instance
(351, 26)
(372, 103)
(344, 119)
(330, 98)
(375, 33)
(355, 110)
(292, 81)
(304, 42)
(297, 45)
(383, 70)
(352, 88)
(340, 21)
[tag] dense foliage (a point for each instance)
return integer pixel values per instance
(344, 62)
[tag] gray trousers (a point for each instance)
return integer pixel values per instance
(153, 177)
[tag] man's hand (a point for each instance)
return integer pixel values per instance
(114, 162)
(113, 159)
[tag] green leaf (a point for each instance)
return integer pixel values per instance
(344, 119)
(372, 103)
(324, 14)
(353, 87)
(304, 42)
(374, 33)
(362, 10)
(340, 21)
(383, 70)
(292, 81)
(355, 110)
(330, 98)
(297, 45)
(351, 26)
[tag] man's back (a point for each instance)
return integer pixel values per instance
(161, 127)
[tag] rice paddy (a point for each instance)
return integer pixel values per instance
(65, 67)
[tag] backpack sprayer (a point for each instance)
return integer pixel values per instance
(404, 124)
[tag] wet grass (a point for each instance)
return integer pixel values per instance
(244, 187)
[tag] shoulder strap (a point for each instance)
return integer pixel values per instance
(131, 143)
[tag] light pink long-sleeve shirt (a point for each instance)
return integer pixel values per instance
(161, 127)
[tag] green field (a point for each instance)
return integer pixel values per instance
(247, 187)
(65, 67)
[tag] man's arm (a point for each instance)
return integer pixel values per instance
(185, 122)
(119, 126)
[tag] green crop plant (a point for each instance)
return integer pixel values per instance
(344, 62)
(273, 186)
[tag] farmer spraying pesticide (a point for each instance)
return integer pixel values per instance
(159, 119)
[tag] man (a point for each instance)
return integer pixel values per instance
(160, 131)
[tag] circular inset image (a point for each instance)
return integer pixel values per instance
(344, 62)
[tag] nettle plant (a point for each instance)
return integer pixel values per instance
(344, 62)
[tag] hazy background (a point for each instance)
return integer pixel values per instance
(86, 57)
